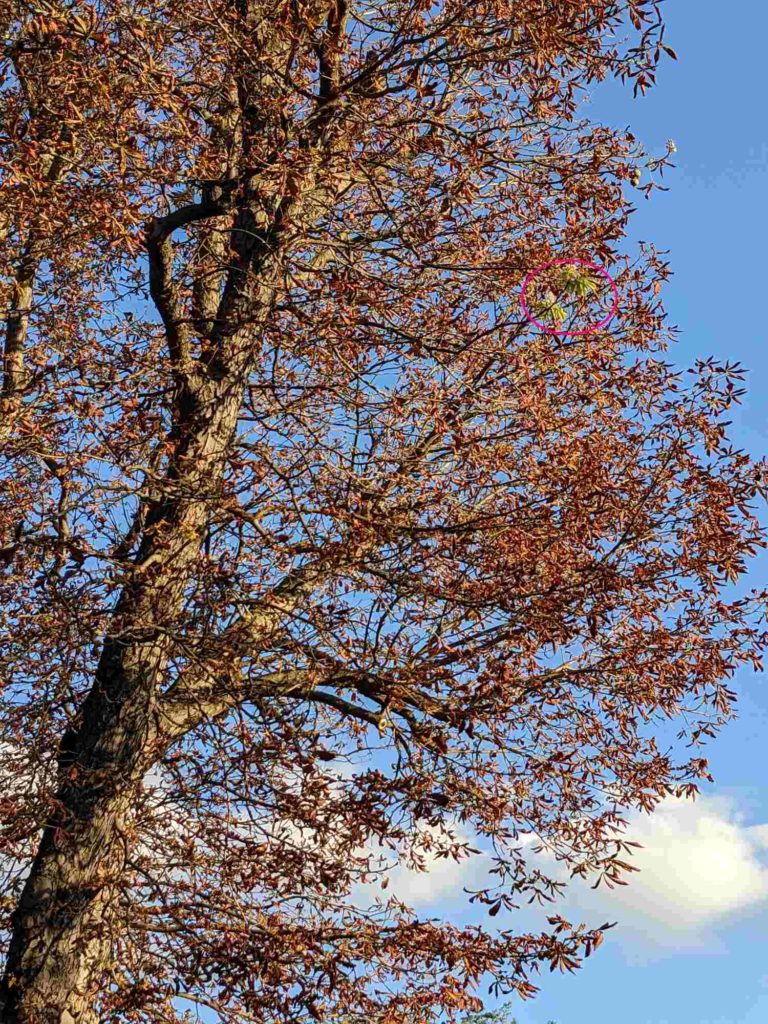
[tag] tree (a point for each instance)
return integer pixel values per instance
(500, 1016)
(313, 545)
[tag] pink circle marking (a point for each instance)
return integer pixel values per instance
(585, 263)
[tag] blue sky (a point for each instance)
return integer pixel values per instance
(694, 953)
(690, 944)
(693, 925)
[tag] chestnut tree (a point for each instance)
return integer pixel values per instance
(313, 547)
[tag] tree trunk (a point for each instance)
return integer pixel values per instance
(61, 929)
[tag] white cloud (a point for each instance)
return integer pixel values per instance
(442, 880)
(699, 867)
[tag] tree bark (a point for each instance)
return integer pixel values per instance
(60, 944)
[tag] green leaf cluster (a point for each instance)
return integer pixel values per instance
(500, 1016)
(577, 282)
(550, 309)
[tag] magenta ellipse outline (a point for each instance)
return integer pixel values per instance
(585, 263)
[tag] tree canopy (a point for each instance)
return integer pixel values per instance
(312, 545)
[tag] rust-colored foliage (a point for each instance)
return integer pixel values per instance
(312, 544)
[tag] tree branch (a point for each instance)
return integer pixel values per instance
(162, 286)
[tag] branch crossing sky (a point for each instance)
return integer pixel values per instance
(690, 946)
